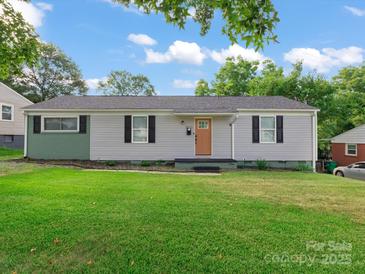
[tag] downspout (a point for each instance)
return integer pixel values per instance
(314, 141)
(232, 135)
(25, 135)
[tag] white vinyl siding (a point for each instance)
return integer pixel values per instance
(297, 146)
(107, 139)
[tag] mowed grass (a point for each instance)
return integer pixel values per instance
(8, 154)
(69, 220)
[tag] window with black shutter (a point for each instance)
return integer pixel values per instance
(127, 128)
(83, 124)
(255, 129)
(36, 124)
(151, 129)
(279, 129)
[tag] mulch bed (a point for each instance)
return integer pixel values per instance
(107, 165)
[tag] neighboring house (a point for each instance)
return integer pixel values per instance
(279, 130)
(11, 117)
(349, 147)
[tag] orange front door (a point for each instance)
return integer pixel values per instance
(203, 136)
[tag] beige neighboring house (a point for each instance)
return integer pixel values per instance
(12, 117)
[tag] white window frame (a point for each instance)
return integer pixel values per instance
(60, 131)
(260, 128)
(347, 150)
(1, 112)
(132, 130)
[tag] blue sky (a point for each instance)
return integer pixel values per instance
(101, 36)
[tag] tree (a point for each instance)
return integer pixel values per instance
(202, 88)
(312, 89)
(124, 83)
(350, 97)
(232, 79)
(54, 74)
(351, 79)
(18, 41)
(248, 20)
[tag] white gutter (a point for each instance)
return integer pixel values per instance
(94, 110)
(25, 135)
(276, 110)
(203, 113)
(232, 136)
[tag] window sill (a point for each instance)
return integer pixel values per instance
(60, 131)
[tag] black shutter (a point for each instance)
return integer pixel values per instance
(83, 124)
(279, 129)
(151, 129)
(127, 128)
(255, 129)
(36, 124)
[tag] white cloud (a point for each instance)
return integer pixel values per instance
(194, 72)
(326, 59)
(93, 82)
(141, 39)
(346, 56)
(235, 51)
(355, 11)
(179, 51)
(33, 14)
(110, 2)
(45, 6)
(177, 83)
(132, 8)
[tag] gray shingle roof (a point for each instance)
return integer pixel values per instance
(179, 104)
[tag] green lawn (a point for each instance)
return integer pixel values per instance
(69, 220)
(7, 153)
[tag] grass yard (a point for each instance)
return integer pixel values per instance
(8, 154)
(70, 220)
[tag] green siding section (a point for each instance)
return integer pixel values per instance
(58, 146)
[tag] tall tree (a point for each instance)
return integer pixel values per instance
(271, 81)
(350, 97)
(240, 77)
(53, 74)
(232, 79)
(18, 41)
(351, 79)
(202, 88)
(124, 83)
(252, 21)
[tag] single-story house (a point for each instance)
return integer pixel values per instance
(349, 147)
(11, 117)
(131, 128)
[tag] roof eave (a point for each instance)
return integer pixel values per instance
(279, 109)
(204, 113)
(92, 110)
